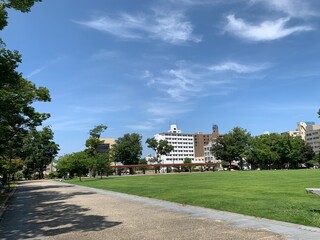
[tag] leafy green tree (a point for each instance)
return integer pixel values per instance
(40, 150)
(161, 147)
(92, 144)
(264, 151)
(232, 146)
(128, 149)
(278, 151)
(20, 5)
(73, 163)
(187, 161)
(102, 163)
(17, 95)
(295, 151)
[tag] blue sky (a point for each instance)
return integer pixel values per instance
(137, 66)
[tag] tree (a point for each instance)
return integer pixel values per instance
(232, 146)
(278, 151)
(17, 95)
(102, 163)
(40, 150)
(92, 144)
(263, 151)
(187, 161)
(73, 163)
(161, 147)
(128, 149)
(23, 6)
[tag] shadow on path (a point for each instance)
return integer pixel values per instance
(37, 211)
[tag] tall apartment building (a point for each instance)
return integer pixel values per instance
(201, 140)
(183, 144)
(313, 137)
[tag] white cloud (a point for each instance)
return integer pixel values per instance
(187, 81)
(40, 69)
(265, 31)
(168, 26)
(294, 8)
(70, 124)
(237, 67)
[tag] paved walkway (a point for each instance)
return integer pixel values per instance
(54, 210)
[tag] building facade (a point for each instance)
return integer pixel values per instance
(105, 145)
(309, 132)
(183, 144)
(201, 140)
(313, 137)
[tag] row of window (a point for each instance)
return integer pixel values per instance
(180, 143)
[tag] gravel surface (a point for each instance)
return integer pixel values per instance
(54, 210)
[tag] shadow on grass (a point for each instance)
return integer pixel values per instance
(33, 213)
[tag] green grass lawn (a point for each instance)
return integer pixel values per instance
(278, 195)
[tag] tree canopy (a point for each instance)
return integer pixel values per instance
(161, 147)
(128, 149)
(40, 150)
(20, 5)
(232, 146)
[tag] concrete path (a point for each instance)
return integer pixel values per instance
(54, 210)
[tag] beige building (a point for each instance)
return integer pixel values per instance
(313, 137)
(309, 132)
(106, 145)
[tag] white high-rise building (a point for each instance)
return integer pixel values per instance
(183, 144)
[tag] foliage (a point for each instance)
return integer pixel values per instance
(161, 147)
(17, 95)
(128, 149)
(21, 5)
(232, 146)
(40, 150)
(278, 151)
(187, 161)
(102, 163)
(74, 163)
(92, 144)
(278, 195)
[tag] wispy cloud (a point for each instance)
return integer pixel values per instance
(182, 83)
(71, 124)
(191, 81)
(168, 26)
(294, 8)
(265, 31)
(238, 67)
(40, 69)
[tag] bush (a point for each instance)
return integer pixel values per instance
(19, 175)
(52, 175)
